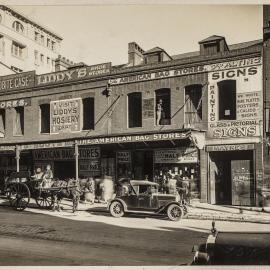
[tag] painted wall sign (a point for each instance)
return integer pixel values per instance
(148, 108)
(178, 155)
(90, 153)
(247, 74)
(123, 157)
(15, 103)
(248, 105)
(66, 115)
(17, 81)
(74, 74)
(234, 129)
(159, 75)
(134, 138)
(230, 147)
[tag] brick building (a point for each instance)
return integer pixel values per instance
(197, 116)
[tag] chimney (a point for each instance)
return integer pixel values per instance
(135, 54)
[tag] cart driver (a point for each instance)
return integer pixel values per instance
(47, 176)
(38, 175)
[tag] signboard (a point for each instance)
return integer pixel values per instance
(17, 81)
(148, 108)
(123, 157)
(89, 166)
(178, 155)
(66, 115)
(247, 74)
(134, 138)
(15, 103)
(159, 75)
(230, 147)
(74, 74)
(89, 153)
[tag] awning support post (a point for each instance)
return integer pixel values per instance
(17, 157)
(76, 147)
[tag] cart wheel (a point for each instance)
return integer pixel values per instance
(174, 212)
(18, 195)
(44, 201)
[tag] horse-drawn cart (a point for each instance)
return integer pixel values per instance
(20, 187)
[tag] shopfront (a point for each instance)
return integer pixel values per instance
(231, 174)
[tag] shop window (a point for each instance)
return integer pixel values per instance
(17, 49)
(44, 118)
(88, 113)
(18, 27)
(19, 121)
(2, 122)
(227, 99)
(193, 104)
(134, 110)
(163, 106)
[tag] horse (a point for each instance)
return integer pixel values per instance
(69, 188)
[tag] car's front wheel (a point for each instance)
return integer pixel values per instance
(174, 212)
(116, 209)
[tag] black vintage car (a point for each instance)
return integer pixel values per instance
(233, 248)
(140, 196)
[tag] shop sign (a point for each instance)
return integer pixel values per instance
(89, 153)
(7, 147)
(46, 145)
(74, 74)
(234, 129)
(123, 157)
(15, 103)
(247, 74)
(235, 64)
(134, 138)
(66, 115)
(229, 147)
(179, 155)
(159, 75)
(17, 81)
(148, 108)
(86, 166)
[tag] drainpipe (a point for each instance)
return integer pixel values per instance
(76, 154)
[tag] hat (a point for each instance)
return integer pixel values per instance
(38, 170)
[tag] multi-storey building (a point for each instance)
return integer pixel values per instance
(195, 116)
(25, 45)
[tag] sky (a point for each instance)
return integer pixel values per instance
(100, 33)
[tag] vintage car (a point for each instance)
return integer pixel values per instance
(139, 196)
(233, 248)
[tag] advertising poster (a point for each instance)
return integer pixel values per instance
(66, 116)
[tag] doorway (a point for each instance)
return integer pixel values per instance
(143, 165)
(231, 178)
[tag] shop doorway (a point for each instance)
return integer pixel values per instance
(64, 169)
(231, 178)
(143, 165)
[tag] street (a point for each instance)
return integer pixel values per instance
(83, 238)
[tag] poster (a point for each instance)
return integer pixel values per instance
(123, 157)
(66, 116)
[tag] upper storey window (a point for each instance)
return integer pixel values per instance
(18, 27)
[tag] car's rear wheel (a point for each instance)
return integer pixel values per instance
(116, 209)
(174, 212)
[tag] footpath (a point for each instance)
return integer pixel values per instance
(197, 210)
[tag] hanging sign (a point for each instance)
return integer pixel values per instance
(66, 115)
(148, 108)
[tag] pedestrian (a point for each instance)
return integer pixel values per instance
(38, 175)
